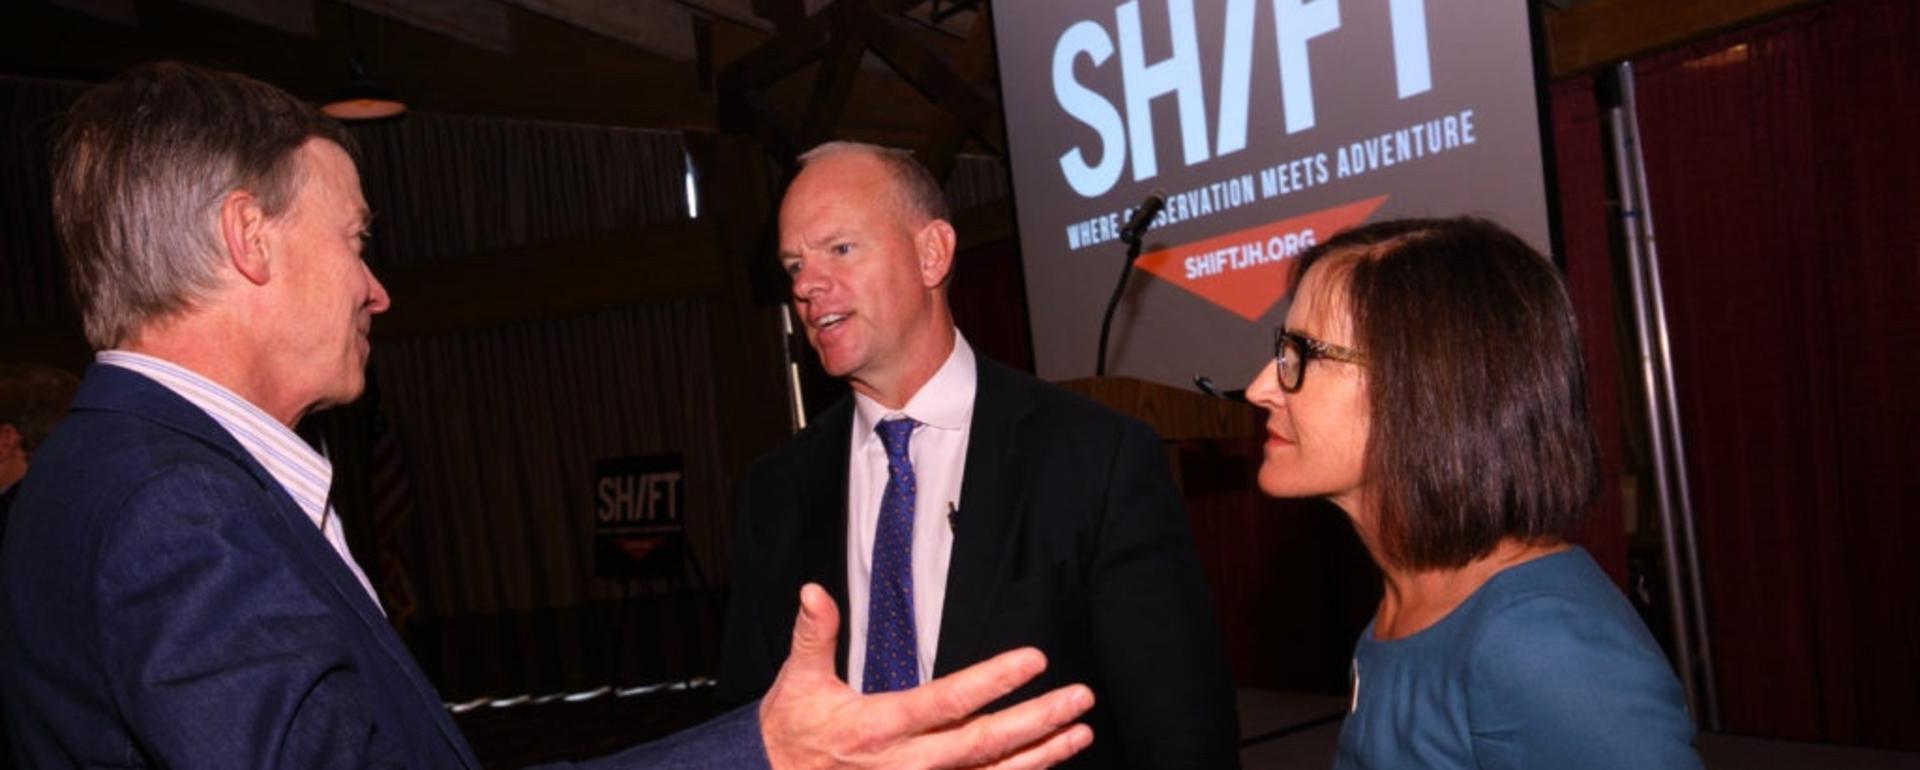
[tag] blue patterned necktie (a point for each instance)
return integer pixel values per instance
(893, 651)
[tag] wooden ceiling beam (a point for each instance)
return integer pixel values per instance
(785, 14)
(833, 82)
(797, 46)
(481, 23)
(930, 71)
(784, 54)
(945, 138)
(657, 27)
(557, 72)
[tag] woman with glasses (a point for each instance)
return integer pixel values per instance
(1428, 381)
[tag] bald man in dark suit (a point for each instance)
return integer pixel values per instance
(958, 508)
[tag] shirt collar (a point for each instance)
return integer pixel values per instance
(944, 403)
(302, 472)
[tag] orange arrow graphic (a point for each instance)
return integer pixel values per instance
(1245, 271)
(638, 548)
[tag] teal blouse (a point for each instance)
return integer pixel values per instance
(1546, 665)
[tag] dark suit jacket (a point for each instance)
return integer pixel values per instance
(1070, 537)
(6, 504)
(167, 604)
(6, 748)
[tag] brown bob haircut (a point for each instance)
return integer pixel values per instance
(141, 166)
(1477, 389)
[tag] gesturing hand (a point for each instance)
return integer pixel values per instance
(811, 719)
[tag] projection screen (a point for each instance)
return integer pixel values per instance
(1269, 125)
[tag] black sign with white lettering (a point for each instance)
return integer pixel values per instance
(637, 525)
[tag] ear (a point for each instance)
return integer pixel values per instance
(243, 232)
(9, 441)
(934, 245)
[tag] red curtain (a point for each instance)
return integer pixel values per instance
(1783, 172)
(1581, 175)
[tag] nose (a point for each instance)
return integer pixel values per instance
(1264, 389)
(809, 281)
(377, 299)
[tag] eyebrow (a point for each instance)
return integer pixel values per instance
(836, 234)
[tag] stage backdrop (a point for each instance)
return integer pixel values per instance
(1269, 125)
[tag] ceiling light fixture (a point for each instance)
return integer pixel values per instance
(364, 98)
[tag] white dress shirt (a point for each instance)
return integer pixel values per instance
(303, 473)
(938, 448)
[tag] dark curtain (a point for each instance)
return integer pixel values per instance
(33, 283)
(505, 425)
(1785, 186)
(989, 301)
(444, 187)
(976, 180)
(441, 187)
(1580, 171)
(501, 426)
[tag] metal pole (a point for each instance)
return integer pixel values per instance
(1630, 213)
(796, 398)
(1664, 363)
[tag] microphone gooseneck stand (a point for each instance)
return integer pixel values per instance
(1113, 303)
(1131, 233)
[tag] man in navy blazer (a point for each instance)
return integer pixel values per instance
(1038, 517)
(176, 588)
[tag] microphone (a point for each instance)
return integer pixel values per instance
(1205, 384)
(1143, 216)
(1136, 227)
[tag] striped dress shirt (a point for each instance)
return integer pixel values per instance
(302, 472)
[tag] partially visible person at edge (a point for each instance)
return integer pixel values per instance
(1428, 381)
(33, 397)
(177, 592)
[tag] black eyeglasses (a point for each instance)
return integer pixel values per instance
(1291, 352)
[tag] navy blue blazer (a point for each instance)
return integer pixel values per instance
(163, 602)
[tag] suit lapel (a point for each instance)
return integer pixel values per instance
(821, 502)
(130, 392)
(992, 497)
(319, 556)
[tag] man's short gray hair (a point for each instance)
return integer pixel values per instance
(913, 186)
(141, 167)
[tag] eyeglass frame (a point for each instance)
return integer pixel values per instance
(1310, 348)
